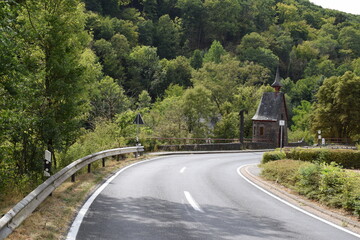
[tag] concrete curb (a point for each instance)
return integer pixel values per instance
(302, 202)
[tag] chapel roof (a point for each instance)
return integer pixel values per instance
(276, 83)
(270, 107)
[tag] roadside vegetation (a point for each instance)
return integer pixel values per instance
(320, 179)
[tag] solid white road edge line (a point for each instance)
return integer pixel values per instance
(183, 170)
(74, 229)
(293, 206)
(192, 202)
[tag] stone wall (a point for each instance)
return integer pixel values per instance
(216, 147)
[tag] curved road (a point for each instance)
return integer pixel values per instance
(195, 197)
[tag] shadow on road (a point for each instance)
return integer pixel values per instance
(151, 218)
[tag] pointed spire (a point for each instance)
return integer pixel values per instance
(277, 85)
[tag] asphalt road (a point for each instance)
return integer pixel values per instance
(195, 197)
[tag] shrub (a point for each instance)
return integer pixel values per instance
(308, 180)
(273, 156)
(327, 183)
(105, 136)
(282, 171)
(332, 185)
(345, 158)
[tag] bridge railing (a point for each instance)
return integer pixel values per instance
(15, 216)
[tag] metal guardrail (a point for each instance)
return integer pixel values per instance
(13, 218)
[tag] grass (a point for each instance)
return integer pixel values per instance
(51, 220)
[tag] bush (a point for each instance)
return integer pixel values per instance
(328, 183)
(309, 178)
(273, 156)
(345, 158)
(105, 136)
(282, 171)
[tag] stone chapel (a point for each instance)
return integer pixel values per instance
(266, 121)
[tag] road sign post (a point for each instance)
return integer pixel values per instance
(47, 164)
(138, 121)
(281, 124)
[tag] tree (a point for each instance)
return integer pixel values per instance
(300, 130)
(254, 48)
(348, 39)
(56, 41)
(144, 100)
(299, 58)
(166, 117)
(113, 56)
(198, 111)
(196, 61)
(221, 79)
(146, 32)
(193, 18)
(320, 67)
(215, 52)
(143, 64)
(254, 74)
(109, 99)
(222, 20)
(335, 113)
(176, 71)
(167, 37)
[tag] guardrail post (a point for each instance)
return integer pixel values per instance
(103, 162)
(89, 168)
(73, 178)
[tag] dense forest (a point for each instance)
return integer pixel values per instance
(74, 74)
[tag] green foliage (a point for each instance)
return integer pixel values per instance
(272, 156)
(198, 110)
(54, 44)
(166, 118)
(109, 99)
(228, 126)
(215, 52)
(217, 25)
(255, 48)
(300, 130)
(348, 39)
(113, 55)
(309, 178)
(104, 136)
(284, 172)
(144, 100)
(167, 37)
(325, 182)
(345, 158)
(335, 113)
(144, 62)
(221, 79)
(176, 71)
(196, 60)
